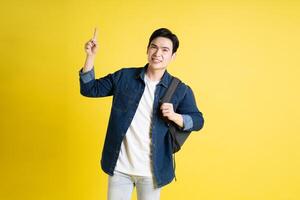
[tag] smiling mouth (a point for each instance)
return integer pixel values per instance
(155, 60)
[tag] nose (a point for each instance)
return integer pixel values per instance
(157, 53)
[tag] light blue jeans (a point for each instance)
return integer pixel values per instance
(120, 187)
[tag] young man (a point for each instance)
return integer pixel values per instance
(137, 148)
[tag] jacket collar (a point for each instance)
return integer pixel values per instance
(164, 81)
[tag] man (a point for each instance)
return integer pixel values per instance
(137, 148)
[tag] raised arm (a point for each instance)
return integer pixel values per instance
(89, 86)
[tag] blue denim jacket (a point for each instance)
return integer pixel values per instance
(127, 86)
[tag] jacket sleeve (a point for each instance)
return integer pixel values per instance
(188, 106)
(187, 122)
(101, 87)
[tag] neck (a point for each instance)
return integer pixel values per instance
(155, 75)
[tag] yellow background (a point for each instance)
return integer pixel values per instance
(240, 57)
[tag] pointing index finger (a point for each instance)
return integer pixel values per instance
(95, 34)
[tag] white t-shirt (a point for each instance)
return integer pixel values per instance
(135, 153)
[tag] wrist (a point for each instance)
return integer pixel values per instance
(178, 119)
(90, 57)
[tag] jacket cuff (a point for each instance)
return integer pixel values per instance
(187, 122)
(87, 76)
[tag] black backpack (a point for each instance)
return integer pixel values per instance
(178, 137)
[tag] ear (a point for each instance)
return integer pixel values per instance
(173, 56)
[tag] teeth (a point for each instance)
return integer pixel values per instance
(156, 60)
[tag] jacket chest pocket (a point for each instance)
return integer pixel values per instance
(124, 98)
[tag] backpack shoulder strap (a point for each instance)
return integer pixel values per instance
(171, 89)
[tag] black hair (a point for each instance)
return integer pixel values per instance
(164, 32)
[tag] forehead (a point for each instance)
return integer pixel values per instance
(162, 42)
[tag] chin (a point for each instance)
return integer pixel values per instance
(156, 66)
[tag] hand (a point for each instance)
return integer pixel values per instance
(168, 112)
(91, 46)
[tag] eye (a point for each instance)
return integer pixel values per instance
(165, 50)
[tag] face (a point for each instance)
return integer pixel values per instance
(160, 53)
